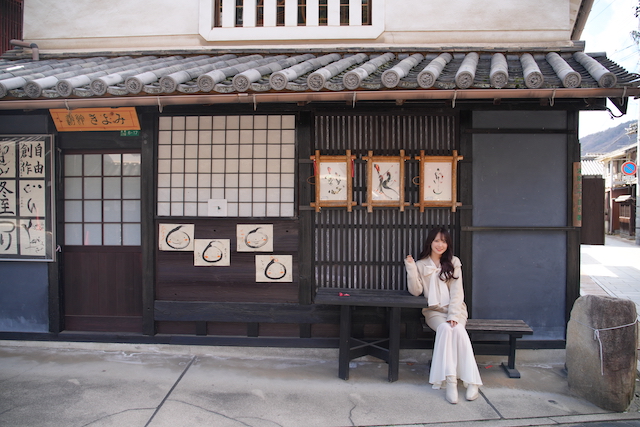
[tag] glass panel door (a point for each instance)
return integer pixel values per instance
(102, 274)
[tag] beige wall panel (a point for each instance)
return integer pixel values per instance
(69, 19)
(488, 15)
(167, 24)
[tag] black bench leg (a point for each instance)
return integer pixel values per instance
(345, 342)
(394, 343)
(510, 368)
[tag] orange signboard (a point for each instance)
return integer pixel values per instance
(93, 119)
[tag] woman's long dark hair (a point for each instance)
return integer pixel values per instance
(446, 263)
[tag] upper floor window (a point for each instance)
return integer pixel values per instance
(366, 12)
(240, 20)
(260, 13)
(280, 13)
(323, 12)
(302, 12)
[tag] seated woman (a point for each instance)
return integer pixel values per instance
(438, 275)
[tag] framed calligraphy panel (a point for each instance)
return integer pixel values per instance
(438, 183)
(385, 181)
(333, 181)
(26, 198)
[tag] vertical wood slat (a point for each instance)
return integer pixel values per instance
(333, 14)
(228, 13)
(367, 250)
(270, 13)
(249, 12)
(355, 12)
(291, 13)
(313, 10)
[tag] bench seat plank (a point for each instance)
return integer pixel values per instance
(512, 327)
(368, 298)
(498, 326)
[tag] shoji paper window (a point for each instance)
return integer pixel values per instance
(247, 161)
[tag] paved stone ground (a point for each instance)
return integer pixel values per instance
(611, 269)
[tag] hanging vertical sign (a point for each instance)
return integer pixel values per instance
(577, 195)
(26, 212)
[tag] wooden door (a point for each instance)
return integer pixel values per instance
(102, 267)
(592, 232)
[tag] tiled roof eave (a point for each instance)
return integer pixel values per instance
(307, 77)
(454, 95)
(21, 53)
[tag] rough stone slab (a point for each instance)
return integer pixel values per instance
(602, 352)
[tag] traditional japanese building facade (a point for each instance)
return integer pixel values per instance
(289, 146)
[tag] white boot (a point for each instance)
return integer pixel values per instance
(452, 389)
(472, 392)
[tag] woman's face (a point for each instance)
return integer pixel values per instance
(439, 245)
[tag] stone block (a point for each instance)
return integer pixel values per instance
(602, 351)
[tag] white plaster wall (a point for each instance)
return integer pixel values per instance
(474, 15)
(145, 24)
(50, 19)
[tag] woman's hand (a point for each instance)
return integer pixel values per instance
(453, 323)
(409, 259)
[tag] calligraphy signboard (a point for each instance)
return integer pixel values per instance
(438, 181)
(95, 119)
(333, 180)
(26, 192)
(385, 181)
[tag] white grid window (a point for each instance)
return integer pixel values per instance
(249, 161)
(102, 199)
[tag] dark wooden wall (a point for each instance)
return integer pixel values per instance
(333, 248)
(177, 279)
(366, 250)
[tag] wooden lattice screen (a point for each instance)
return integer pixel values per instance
(366, 250)
(10, 23)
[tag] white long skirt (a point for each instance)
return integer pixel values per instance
(452, 353)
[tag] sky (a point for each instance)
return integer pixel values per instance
(608, 29)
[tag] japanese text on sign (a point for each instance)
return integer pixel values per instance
(25, 202)
(95, 119)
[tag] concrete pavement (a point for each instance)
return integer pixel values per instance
(131, 385)
(611, 269)
(76, 384)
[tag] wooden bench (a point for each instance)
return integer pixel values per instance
(513, 328)
(387, 349)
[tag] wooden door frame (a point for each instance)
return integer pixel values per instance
(95, 141)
